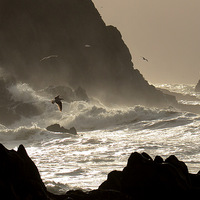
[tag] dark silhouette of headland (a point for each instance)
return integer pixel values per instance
(197, 87)
(68, 42)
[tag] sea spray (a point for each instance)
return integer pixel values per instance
(106, 137)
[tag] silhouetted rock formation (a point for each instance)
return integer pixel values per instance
(61, 129)
(20, 178)
(197, 88)
(67, 42)
(142, 178)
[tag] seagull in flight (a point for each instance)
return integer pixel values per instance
(57, 100)
(48, 57)
(87, 46)
(145, 59)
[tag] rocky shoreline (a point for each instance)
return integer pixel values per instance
(142, 178)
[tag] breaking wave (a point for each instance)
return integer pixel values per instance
(84, 116)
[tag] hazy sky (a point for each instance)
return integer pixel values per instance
(166, 32)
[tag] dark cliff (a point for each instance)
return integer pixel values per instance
(197, 87)
(67, 42)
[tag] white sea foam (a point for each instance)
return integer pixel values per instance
(106, 137)
(91, 115)
(23, 92)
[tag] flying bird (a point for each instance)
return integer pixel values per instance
(87, 46)
(145, 59)
(48, 57)
(57, 100)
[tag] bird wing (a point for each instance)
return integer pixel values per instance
(48, 57)
(59, 105)
(145, 59)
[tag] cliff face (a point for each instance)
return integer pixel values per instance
(197, 87)
(45, 42)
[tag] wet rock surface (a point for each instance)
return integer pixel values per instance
(61, 129)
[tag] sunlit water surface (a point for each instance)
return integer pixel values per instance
(106, 138)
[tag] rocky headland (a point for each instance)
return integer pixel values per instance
(181, 97)
(66, 42)
(197, 88)
(142, 178)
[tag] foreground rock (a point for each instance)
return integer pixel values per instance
(142, 178)
(197, 88)
(145, 178)
(19, 177)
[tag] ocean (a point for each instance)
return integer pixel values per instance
(106, 137)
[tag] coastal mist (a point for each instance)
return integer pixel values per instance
(50, 48)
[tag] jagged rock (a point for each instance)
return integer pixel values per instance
(197, 88)
(20, 178)
(61, 129)
(113, 181)
(142, 178)
(67, 42)
(96, 195)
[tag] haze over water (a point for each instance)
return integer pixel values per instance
(107, 135)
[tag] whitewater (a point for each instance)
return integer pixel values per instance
(106, 137)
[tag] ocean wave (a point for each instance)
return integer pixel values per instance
(161, 124)
(94, 117)
(20, 133)
(82, 115)
(56, 187)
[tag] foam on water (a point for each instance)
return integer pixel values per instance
(106, 138)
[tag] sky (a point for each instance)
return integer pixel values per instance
(166, 32)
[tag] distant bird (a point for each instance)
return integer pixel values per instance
(48, 57)
(57, 100)
(87, 46)
(145, 59)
